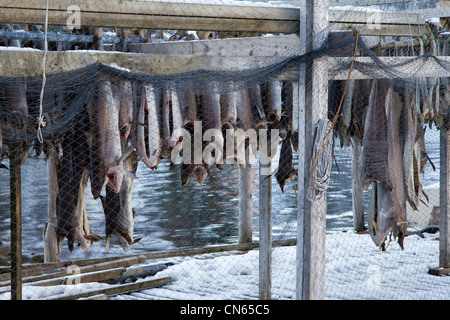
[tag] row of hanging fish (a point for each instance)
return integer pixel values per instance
(123, 123)
(388, 122)
(162, 112)
(391, 124)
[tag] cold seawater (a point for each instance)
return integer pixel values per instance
(169, 216)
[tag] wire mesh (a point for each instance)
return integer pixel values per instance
(161, 132)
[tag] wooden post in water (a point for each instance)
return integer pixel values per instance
(265, 231)
(313, 105)
(245, 201)
(357, 187)
(444, 204)
(265, 214)
(444, 224)
(51, 246)
(444, 192)
(16, 221)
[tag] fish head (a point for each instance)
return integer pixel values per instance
(115, 177)
(200, 173)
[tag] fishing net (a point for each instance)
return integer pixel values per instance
(183, 132)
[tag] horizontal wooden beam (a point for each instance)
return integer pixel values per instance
(27, 63)
(234, 10)
(394, 30)
(362, 16)
(245, 17)
(396, 67)
(361, 2)
(156, 15)
(115, 289)
(147, 21)
(16, 62)
(284, 45)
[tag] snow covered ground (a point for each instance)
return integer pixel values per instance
(355, 269)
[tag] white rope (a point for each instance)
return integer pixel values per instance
(41, 122)
(321, 169)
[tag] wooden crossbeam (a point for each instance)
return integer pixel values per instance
(394, 30)
(156, 15)
(416, 69)
(27, 63)
(243, 17)
(115, 289)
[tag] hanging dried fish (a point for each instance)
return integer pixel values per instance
(374, 155)
(408, 127)
(286, 169)
(256, 107)
(212, 128)
(72, 171)
(189, 166)
(125, 95)
(119, 214)
(397, 215)
(271, 96)
(104, 142)
(188, 106)
(148, 128)
(244, 115)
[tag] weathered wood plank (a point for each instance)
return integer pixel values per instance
(163, 8)
(244, 10)
(439, 271)
(265, 229)
(267, 18)
(245, 202)
(117, 289)
(357, 186)
(360, 2)
(117, 20)
(100, 276)
(27, 63)
(363, 16)
(16, 221)
(215, 249)
(395, 65)
(62, 271)
(384, 29)
(313, 105)
(58, 269)
(282, 45)
(444, 197)
(52, 248)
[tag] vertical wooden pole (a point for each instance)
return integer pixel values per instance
(52, 248)
(444, 198)
(265, 231)
(245, 201)
(16, 225)
(313, 105)
(357, 187)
